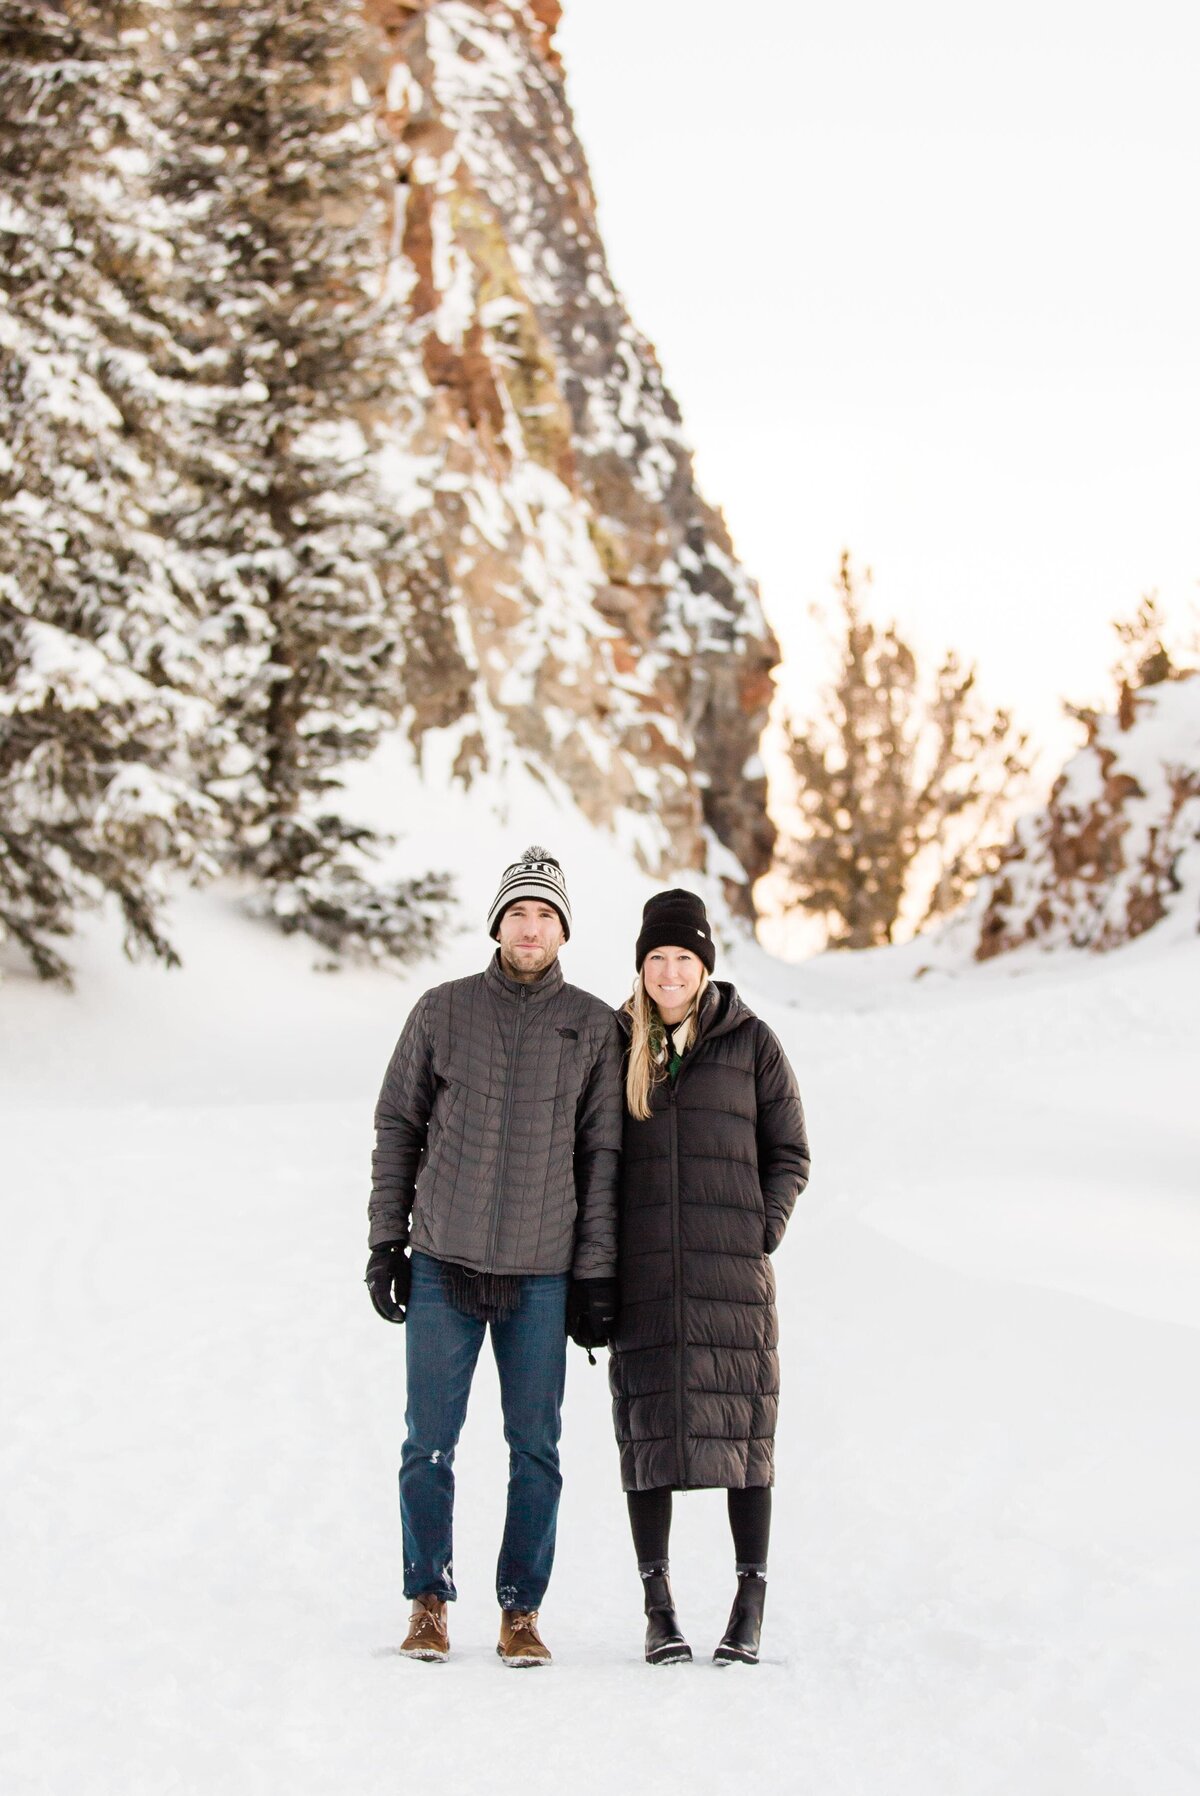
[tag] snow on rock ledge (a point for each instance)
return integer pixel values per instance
(575, 603)
(1117, 848)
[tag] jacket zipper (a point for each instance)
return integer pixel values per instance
(677, 1256)
(505, 1124)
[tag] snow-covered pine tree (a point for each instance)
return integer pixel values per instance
(901, 781)
(283, 181)
(98, 661)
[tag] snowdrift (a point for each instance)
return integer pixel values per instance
(984, 1561)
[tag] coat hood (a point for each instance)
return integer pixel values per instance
(721, 1010)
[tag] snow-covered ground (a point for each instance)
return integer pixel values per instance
(985, 1572)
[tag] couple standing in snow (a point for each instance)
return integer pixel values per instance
(546, 1168)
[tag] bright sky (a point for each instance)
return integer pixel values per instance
(925, 279)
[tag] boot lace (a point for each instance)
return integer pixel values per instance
(426, 1622)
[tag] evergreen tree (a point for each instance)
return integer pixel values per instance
(896, 783)
(1144, 658)
(281, 179)
(1148, 654)
(99, 663)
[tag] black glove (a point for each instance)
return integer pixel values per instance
(591, 1311)
(389, 1277)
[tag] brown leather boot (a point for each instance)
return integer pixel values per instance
(427, 1636)
(520, 1643)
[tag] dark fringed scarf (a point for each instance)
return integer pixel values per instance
(486, 1296)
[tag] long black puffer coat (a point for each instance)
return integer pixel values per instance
(707, 1185)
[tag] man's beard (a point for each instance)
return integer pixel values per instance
(534, 960)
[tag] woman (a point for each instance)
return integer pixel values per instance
(714, 1156)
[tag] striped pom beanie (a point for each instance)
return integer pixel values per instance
(536, 875)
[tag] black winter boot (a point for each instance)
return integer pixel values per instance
(665, 1644)
(740, 1645)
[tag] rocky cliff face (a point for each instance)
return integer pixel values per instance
(574, 601)
(1117, 848)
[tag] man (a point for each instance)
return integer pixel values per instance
(497, 1140)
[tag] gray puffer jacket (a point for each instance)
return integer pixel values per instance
(498, 1128)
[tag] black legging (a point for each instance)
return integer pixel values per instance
(749, 1522)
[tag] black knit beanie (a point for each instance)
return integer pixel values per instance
(676, 920)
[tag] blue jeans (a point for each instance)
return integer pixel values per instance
(531, 1358)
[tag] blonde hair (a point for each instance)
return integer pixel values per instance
(648, 1052)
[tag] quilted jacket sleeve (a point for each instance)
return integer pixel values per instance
(783, 1158)
(598, 1124)
(401, 1121)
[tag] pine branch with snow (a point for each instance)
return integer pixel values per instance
(341, 904)
(100, 659)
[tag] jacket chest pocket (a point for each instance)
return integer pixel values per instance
(566, 1052)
